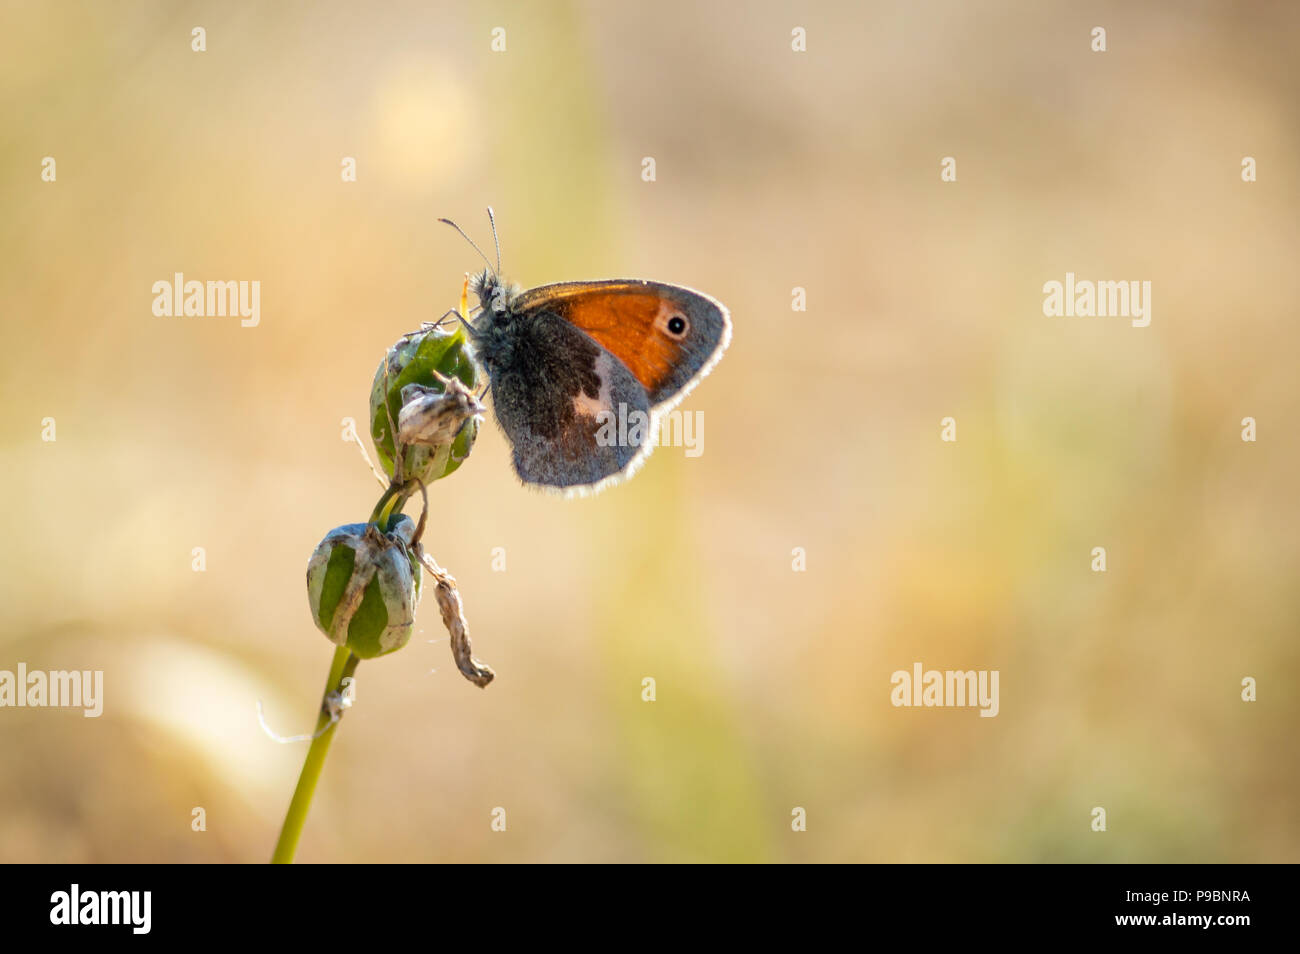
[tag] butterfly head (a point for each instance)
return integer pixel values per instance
(494, 294)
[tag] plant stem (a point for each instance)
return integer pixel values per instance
(382, 509)
(393, 500)
(343, 665)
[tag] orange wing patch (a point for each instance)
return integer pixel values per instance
(638, 326)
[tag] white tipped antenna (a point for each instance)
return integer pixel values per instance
(493, 222)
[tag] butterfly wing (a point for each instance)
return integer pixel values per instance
(669, 337)
(576, 417)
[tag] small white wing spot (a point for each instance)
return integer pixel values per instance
(604, 401)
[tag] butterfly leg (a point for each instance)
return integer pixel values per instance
(450, 313)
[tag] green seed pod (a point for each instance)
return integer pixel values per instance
(363, 586)
(439, 362)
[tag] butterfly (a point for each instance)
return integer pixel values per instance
(580, 372)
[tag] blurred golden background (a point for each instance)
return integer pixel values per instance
(776, 169)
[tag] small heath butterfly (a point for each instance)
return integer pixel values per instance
(581, 371)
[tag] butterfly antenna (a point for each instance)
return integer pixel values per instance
(486, 260)
(492, 220)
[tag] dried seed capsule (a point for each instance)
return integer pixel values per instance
(363, 586)
(439, 362)
(436, 417)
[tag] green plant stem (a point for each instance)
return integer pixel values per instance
(393, 500)
(385, 506)
(343, 666)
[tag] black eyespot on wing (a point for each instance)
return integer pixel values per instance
(677, 326)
